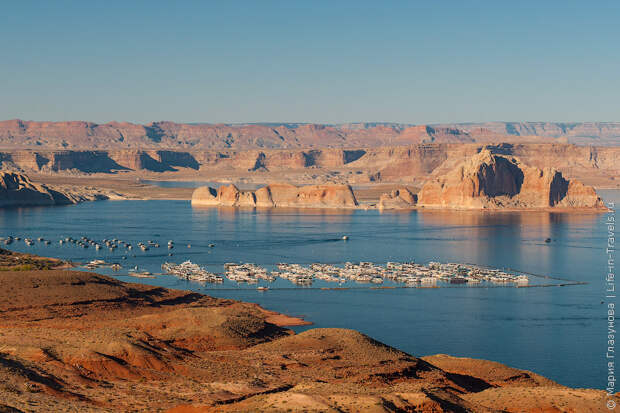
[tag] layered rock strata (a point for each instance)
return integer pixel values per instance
(17, 190)
(278, 195)
(401, 198)
(494, 181)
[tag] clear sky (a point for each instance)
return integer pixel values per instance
(310, 61)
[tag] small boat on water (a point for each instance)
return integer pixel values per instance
(262, 288)
(141, 274)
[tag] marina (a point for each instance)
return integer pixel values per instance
(363, 274)
(407, 273)
(390, 274)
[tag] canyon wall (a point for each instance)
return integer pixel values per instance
(583, 133)
(20, 134)
(412, 164)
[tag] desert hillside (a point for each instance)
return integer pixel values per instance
(78, 341)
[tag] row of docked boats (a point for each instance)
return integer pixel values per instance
(248, 272)
(408, 273)
(190, 271)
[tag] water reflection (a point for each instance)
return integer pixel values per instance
(273, 215)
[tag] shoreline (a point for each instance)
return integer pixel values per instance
(100, 344)
(368, 195)
(362, 207)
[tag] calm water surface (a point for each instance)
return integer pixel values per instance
(559, 332)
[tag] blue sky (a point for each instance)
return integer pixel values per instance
(310, 61)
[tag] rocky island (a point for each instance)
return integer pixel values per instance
(493, 181)
(79, 341)
(278, 195)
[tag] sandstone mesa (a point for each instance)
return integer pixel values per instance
(278, 195)
(492, 181)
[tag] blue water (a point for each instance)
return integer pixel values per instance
(559, 332)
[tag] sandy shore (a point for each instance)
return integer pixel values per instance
(134, 188)
(126, 187)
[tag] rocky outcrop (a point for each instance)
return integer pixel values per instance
(494, 181)
(401, 198)
(278, 196)
(205, 196)
(17, 190)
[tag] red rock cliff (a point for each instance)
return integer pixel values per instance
(489, 180)
(278, 195)
(16, 190)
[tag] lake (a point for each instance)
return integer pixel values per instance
(559, 332)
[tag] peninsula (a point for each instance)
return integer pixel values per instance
(18, 190)
(78, 341)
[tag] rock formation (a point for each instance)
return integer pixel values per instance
(278, 195)
(494, 181)
(17, 190)
(400, 198)
(412, 164)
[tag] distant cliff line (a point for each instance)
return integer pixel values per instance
(411, 164)
(20, 134)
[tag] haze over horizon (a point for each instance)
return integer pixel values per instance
(324, 62)
(370, 122)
